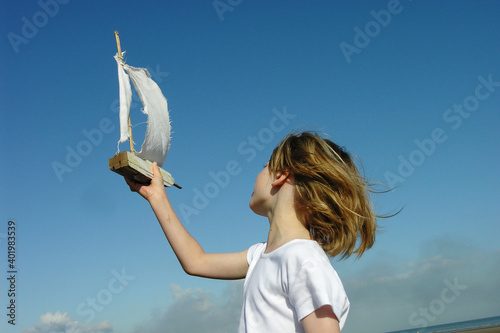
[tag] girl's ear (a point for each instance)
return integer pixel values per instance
(280, 179)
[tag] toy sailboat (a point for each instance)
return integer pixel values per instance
(137, 165)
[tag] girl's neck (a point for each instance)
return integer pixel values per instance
(284, 226)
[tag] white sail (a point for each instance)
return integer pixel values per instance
(125, 100)
(157, 140)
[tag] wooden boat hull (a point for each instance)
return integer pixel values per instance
(137, 169)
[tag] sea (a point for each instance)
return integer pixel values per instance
(462, 326)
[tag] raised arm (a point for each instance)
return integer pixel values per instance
(193, 259)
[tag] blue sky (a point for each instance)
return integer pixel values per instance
(411, 87)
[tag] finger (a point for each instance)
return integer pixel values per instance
(135, 187)
(156, 170)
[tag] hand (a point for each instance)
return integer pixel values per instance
(153, 191)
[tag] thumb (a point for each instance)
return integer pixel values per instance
(156, 169)
(157, 176)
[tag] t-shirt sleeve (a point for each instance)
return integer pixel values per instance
(254, 250)
(317, 285)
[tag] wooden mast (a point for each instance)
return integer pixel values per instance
(132, 150)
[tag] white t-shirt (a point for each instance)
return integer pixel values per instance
(286, 285)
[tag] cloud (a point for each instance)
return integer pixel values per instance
(451, 282)
(62, 323)
(197, 310)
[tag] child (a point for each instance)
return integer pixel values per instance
(318, 206)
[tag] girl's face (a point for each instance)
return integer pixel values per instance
(261, 191)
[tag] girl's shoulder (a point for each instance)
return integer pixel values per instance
(255, 251)
(298, 252)
(302, 246)
(294, 253)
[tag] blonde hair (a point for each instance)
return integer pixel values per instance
(331, 197)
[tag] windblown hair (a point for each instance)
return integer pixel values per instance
(331, 197)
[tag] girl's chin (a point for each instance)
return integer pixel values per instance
(252, 205)
(256, 208)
